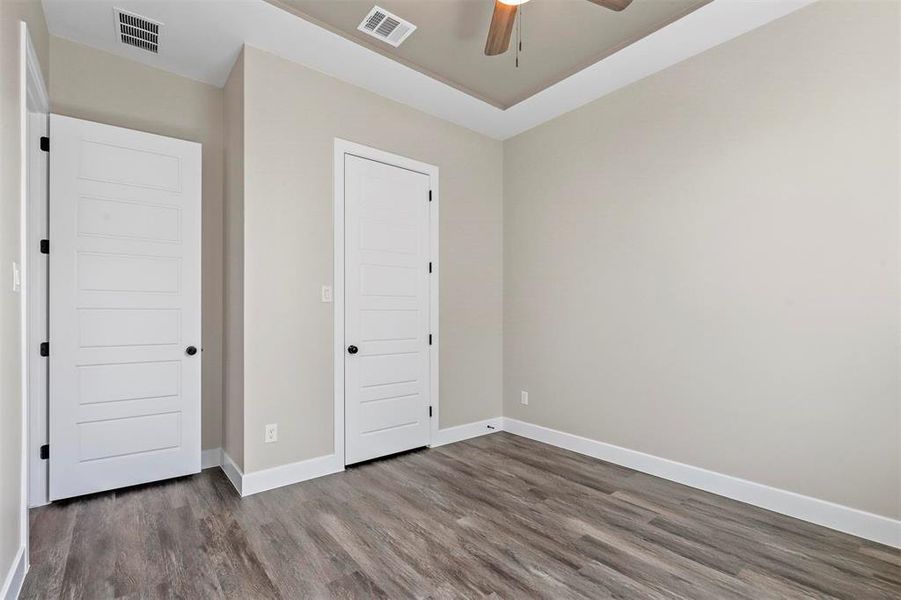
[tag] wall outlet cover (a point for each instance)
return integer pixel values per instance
(271, 433)
(524, 397)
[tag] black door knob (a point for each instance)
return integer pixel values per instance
(352, 349)
(190, 350)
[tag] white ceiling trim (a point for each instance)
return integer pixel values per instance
(709, 26)
(202, 38)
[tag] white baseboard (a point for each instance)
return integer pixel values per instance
(267, 479)
(232, 471)
(12, 583)
(467, 431)
(247, 484)
(259, 481)
(211, 458)
(834, 516)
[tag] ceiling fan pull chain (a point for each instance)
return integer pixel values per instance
(519, 18)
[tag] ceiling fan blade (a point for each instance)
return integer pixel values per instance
(501, 29)
(616, 5)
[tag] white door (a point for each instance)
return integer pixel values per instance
(386, 321)
(124, 307)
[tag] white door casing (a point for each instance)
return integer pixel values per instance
(386, 309)
(125, 227)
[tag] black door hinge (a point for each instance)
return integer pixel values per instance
(45, 246)
(430, 412)
(45, 143)
(430, 339)
(430, 195)
(44, 452)
(45, 348)
(430, 266)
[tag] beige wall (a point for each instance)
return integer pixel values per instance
(704, 266)
(98, 86)
(233, 363)
(293, 115)
(12, 12)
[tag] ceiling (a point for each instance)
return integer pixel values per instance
(202, 38)
(559, 38)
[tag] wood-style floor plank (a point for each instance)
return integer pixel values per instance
(495, 517)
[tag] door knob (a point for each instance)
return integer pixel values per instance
(190, 350)
(352, 349)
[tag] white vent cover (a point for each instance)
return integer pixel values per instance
(385, 26)
(137, 31)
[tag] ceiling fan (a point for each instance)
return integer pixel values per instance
(505, 15)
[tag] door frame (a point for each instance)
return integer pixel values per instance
(35, 215)
(343, 147)
(34, 107)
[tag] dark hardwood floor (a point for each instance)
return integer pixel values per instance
(498, 516)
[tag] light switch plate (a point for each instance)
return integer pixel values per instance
(17, 277)
(326, 293)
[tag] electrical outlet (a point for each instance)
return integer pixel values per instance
(326, 293)
(524, 398)
(271, 433)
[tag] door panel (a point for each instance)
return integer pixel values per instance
(124, 305)
(386, 309)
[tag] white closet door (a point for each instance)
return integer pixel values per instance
(386, 309)
(124, 307)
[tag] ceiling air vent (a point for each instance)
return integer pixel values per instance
(138, 31)
(383, 25)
